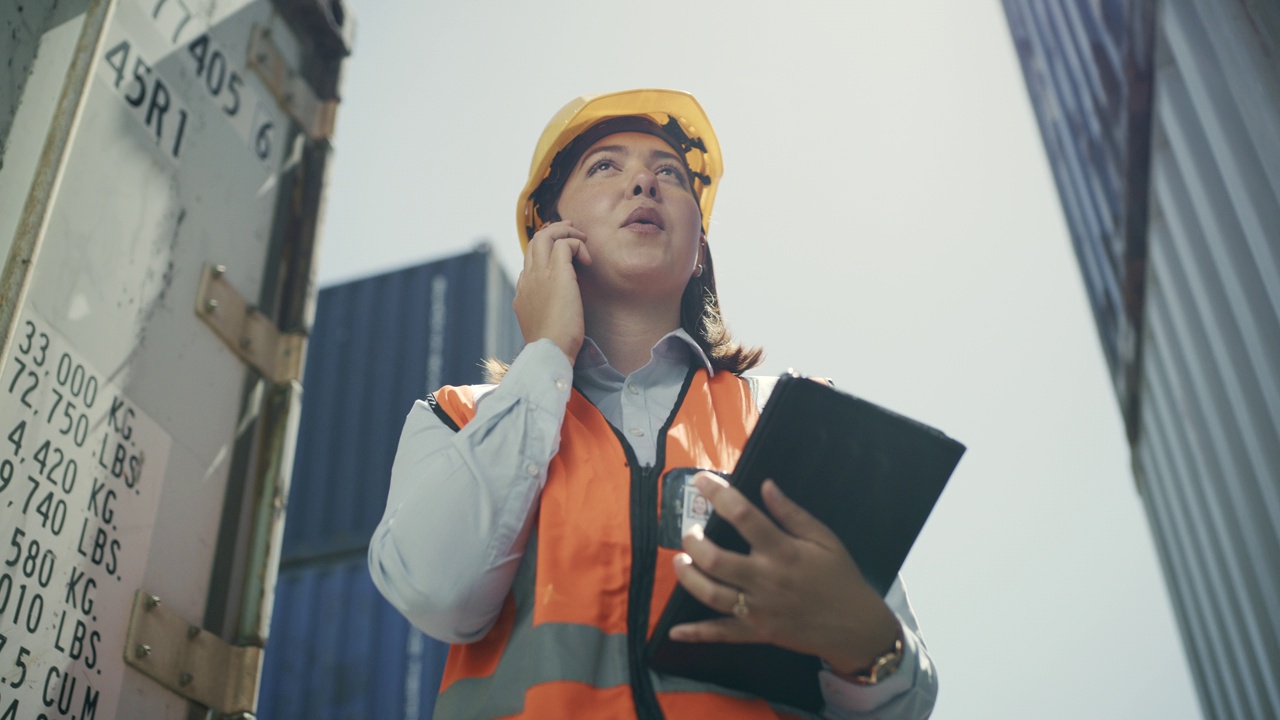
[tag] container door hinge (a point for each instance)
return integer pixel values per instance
(249, 333)
(290, 89)
(193, 663)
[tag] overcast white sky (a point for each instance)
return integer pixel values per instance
(887, 219)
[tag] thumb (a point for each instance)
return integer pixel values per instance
(795, 519)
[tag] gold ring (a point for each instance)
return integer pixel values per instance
(740, 608)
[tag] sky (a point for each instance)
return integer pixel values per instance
(887, 219)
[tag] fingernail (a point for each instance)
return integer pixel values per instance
(704, 482)
(683, 560)
(679, 632)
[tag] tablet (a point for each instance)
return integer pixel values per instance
(870, 474)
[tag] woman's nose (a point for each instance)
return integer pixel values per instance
(646, 184)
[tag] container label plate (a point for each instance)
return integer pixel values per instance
(81, 468)
(162, 58)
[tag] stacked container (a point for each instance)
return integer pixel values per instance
(338, 650)
(1162, 124)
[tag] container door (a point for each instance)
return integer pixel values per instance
(162, 172)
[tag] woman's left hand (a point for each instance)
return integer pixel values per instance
(801, 589)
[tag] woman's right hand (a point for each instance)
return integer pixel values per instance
(548, 302)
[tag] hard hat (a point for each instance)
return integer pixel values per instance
(677, 113)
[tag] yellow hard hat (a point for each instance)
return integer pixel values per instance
(677, 113)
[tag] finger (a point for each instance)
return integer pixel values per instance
(795, 519)
(540, 245)
(560, 229)
(568, 248)
(707, 590)
(581, 253)
(756, 527)
(726, 566)
(727, 630)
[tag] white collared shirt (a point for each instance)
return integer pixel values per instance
(461, 504)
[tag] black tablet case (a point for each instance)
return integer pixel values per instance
(869, 474)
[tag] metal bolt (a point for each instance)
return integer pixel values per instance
(261, 58)
(142, 651)
(153, 602)
(245, 342)
(193, 631)
(211, 304)
(185, 678)
(219, 270)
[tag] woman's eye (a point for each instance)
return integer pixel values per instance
(599, 165)
(672, 171)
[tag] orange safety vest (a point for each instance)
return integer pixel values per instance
(570, 638)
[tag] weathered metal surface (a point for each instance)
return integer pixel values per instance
(142, 148)
(191, 662)
(247, 331)
(289, 88)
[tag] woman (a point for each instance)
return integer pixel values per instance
(524, 522)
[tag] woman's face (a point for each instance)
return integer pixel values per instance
(629, 193)
(699, 506)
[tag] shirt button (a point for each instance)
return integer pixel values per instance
(633, 389)
(637, 432)
(532, 469)
(561, 384)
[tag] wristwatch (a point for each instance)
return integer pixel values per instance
(882, 667)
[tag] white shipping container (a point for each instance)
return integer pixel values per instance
(162, 168)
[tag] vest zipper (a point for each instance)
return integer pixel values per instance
(644, 558)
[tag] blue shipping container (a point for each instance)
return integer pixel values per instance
(337, 649)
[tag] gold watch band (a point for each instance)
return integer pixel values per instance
(885, 664)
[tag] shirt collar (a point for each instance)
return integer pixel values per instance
(676, 345)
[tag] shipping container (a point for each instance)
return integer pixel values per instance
(162, 169)
(1208, 448)
(338, 649)
(1087, 67)
(1201, 392)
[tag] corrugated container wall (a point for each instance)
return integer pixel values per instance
(1204, 415)
(338, 650)
(1088, 67)
(1208, 450)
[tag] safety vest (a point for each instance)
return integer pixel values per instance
(569, 641)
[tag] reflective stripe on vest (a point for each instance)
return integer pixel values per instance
(592, 582)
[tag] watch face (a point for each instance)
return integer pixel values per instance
(890, 666)
(884, 666)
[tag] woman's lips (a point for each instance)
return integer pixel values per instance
(642, 227)
(643, 220)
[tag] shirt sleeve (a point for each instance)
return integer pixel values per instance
(460, 504)
(908, 694)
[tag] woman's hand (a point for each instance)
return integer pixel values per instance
(802, 591)
(548, 303)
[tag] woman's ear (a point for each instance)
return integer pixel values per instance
(700, 262)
